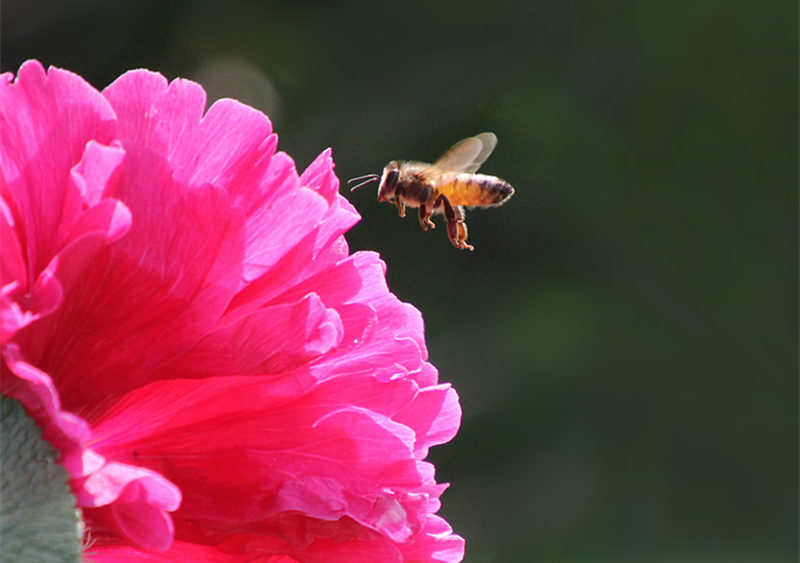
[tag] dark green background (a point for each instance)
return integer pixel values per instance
(624, 338)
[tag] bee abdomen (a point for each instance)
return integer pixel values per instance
(476, 190)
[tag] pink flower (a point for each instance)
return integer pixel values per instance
(181, 315)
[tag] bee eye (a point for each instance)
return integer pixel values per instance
(391, 179)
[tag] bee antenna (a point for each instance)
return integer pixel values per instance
(363, 180)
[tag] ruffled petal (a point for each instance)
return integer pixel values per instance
(133, 501)
(46, 121)
(271, 340)
(138, 499)
(303, 230)
(435, 414)
(36, 390)
(54, 170)
(330, 452)
(436, 543)
(166, 282)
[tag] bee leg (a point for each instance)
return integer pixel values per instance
(425, 218)
(456, 228)
(426, 209)
(398, 201)
(462, 227)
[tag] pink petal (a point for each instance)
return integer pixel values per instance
(258, 548)
(342, 215)
(387, 339)
(13, 266)
(137, 501)
(48, 210)
(301, 229)
(155, 115)
(270, 340)
(435, 543)
(36, 391)
(435, 414)
(392, 344)
(92, 176)
(320, 454)
(279, 183)
(230, 146)
(19, 308)
(114, 482)
(46, 120)
(166, 282)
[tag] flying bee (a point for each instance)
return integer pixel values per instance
(446, 186)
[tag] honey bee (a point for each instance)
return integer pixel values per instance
(446, 186)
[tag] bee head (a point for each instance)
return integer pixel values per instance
(388, 185)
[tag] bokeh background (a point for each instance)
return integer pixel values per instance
(625, 336)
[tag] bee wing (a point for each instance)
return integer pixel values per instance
(468, 154)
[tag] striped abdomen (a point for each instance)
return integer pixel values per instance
(476, 190)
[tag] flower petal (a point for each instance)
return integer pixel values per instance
(136, 502)
(167, 281)
(435, 415)
(435, 543)
(53, 171)
(304, 227)
(37, 392)
(267, 341)
(320, 454)
(46, 120)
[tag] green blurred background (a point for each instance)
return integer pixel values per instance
(625, 336)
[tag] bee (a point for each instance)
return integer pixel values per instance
(446, 186)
